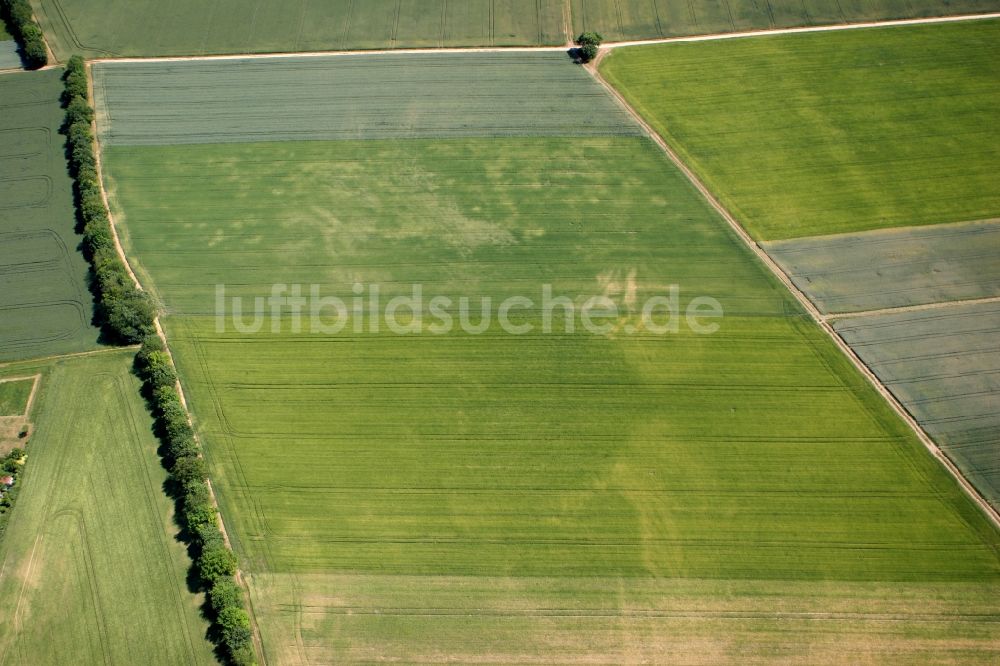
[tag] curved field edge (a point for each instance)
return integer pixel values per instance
(88, 565)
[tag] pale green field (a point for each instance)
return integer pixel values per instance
(424, 95)
(892, 268)
(804, 135)
(944, 366)
(90, 569)
(45, 306)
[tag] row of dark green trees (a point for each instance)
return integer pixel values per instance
(128, 317)
(21, 23)
(125, 312)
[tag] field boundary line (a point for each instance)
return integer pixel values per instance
(814, 313)
(119, 249)
(607, 46)
(56, 357)
(912, 308)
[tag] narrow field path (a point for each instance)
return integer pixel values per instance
(804, 301)
(912, 308)
(55, 357)
(604, 47)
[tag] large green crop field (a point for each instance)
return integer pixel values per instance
(813, 134)
(493, 497)
(45, 306)
(105, 28)
(89, 569)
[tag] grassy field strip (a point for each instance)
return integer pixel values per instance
(45, 306)
(864, 129)
(944, 366)
(17, 395)
(90, 569)
(894, 268)
(143, 104)
(543, 620)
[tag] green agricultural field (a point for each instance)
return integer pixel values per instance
(893, 268)
(943, 364)
(90, 571)
(45, 306)
(561, 496)
(151, 104)
(14, 396)
(189, 27)
(814, 134)
(104, 28)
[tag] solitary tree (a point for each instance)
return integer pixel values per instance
(589, 42)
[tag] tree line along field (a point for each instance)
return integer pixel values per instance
(103, 28)
(45, 306)
(863, 129)
(90, 571)
(368, 479)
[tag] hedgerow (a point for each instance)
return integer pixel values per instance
(215, 562)
(128, 316)
(124, 311)
(21, 22)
